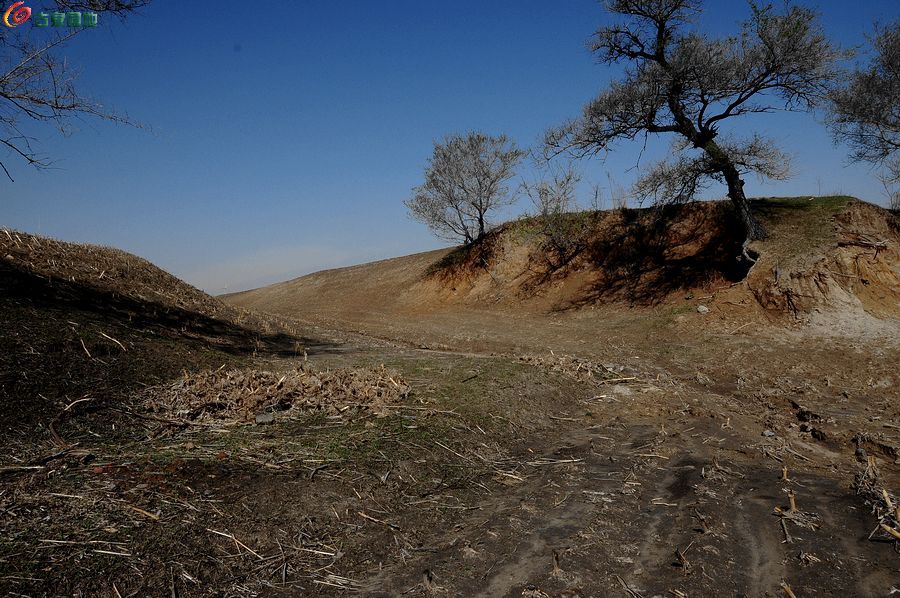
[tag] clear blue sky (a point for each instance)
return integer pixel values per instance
(285, 135)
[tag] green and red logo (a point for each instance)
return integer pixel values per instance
(18, 13)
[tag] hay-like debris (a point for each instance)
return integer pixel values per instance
(577, 368)
(885, 506)
(238, 396)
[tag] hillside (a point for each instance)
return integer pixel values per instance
(102, 269)
(822, 254)
(583, 428)
(82, 321)
(377, 287)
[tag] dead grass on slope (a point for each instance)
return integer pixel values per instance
(122, 276)
(104, 268)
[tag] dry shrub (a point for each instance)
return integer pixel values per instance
(237, 396)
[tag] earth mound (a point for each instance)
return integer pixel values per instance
(854, 268)
(831, 253)
(103, 269)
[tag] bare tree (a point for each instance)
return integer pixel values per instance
(37, 84)
(465, 180)
(685, 83)
(553, 195)
(866, 112)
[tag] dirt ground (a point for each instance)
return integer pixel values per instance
(497, 476)
(613, 450)
(667, 481)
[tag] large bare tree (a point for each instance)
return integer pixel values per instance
(465, 180)
(866, 112)
(682, 82)
(37, 83)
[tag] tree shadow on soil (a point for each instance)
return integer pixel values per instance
(643, 256)
(466, 260)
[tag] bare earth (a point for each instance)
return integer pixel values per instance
(667, 480)
(429, 440)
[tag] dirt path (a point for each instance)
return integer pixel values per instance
(593, 521)
(657, 499)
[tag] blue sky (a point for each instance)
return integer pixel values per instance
(283, 137)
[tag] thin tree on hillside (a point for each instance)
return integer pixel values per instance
(465, 181)
(37, 83)
(558, 222)
(866, 113)
(682, 82)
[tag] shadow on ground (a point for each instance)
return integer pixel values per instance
(62, 342)
(24, 288)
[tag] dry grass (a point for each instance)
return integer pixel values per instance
(238, 396)
(800, 229)
(583, 370)
(104, 268)
(885, 506)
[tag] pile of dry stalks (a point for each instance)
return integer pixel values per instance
(884, 506)
(240, 396)
(577, 368)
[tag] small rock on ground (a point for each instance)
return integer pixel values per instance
(265, 418)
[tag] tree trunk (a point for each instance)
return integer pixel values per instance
(753, 228)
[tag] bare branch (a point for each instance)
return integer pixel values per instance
(37, 83)
(866, 113)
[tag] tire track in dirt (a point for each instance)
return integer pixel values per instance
(614, 502)
(508, 545)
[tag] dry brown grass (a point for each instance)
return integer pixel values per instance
(231, 397)
(104, 268)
